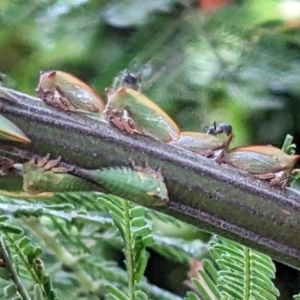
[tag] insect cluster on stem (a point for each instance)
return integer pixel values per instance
(132, 112)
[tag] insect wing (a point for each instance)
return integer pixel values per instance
(253, 162)
(201, 142)
(9, 131)
(81, 95)
(145, 113)
(63, 89)
(197, 141)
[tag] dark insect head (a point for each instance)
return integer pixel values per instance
(224, 127)
(221, 128)
(130, 78)
(127, 80)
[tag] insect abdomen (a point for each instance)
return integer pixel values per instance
(130, 184)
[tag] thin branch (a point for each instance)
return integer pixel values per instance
(12, 270)
(129, 252)
(213, 197)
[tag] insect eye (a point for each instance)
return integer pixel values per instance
(130, 78)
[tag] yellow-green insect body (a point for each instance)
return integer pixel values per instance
(261, 161)
(9, 131)
(133, 112)
(202, 143)
(142, 187)
(67, 92)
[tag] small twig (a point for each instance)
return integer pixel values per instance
(61, 253)
(12, 270)
(128, 249)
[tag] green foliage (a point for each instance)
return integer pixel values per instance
(235, 272)
(65, 246)
(288, 146)
(85, 223)
(136, 235)
(237, 65)
(17, 248)
(296, 297)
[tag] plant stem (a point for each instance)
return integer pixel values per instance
(22, 257)
(12, 270)
(128, 249)
(215, 198)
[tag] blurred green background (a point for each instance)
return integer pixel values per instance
(237, 64)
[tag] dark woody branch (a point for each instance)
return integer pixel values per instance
(213, 197)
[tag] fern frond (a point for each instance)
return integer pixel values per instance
(136, 235)
(64, 211)
(179, 249)
(175, 239)
(81, 220)
(288, 146)
(296, 297)
(236, 272)
(17, 249)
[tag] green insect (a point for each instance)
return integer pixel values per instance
(264, 162)
(44, 176)
(217, 137)
(67, 92)
(142, 185)
(9, 131)
(132, 112)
